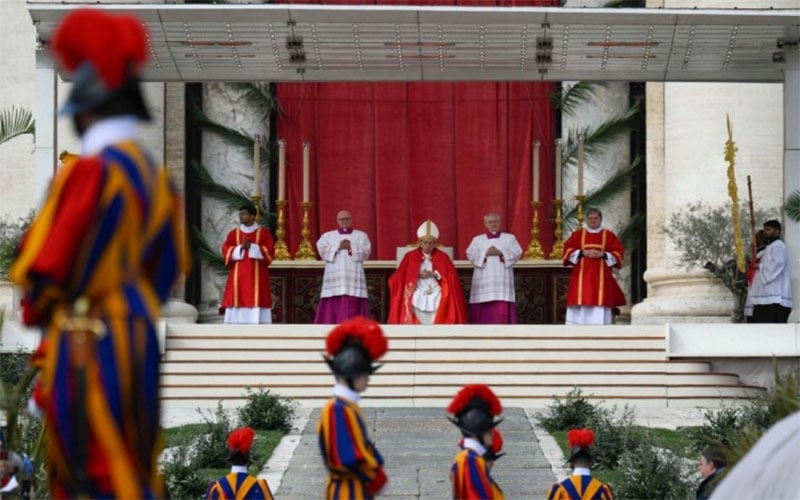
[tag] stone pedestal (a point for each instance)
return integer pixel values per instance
(9, 299)
(178, 311)
(679, 296)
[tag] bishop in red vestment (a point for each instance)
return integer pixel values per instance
(593, 292)
(425, 288)
(248, 251)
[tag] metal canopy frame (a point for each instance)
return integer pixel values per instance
(292, 42)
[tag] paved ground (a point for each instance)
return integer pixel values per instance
(418, 445)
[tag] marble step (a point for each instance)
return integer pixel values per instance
(409, 344)
(434, 367)
(534, 397)
(383, 379)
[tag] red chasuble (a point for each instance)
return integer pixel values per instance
(591, 282)
(248, 279)
(452, 307)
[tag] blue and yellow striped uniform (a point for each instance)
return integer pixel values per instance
(111, 231)
(355, 468)
(580, 487)
(471, 478)
(239, 486)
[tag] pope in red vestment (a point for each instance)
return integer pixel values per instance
(425, 288)
(594, 252)
(248, 251)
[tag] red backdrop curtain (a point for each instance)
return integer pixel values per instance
(396, 154)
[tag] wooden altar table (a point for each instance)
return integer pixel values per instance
(540, 285)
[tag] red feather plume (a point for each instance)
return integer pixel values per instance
(497, 441)
(365, 331)
(241, 440)
(581, 438)
(116, 45)
(472, 391)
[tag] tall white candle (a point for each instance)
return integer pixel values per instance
(559, 194)
(306, 152)
(580, 165)
(281, 169)
(257, 165)
(536, 171)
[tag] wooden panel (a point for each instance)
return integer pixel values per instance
(295, 292)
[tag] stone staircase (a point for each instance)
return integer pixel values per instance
(526, 366)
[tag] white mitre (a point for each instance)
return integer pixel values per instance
(428, 229)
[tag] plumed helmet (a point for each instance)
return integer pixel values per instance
(474, 409)
(428, 229)
(105, 54)
(353, 346)
(580, 443)
(239, 443)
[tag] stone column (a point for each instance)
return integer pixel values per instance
(791, 163)
(176, 310)
(45, 115)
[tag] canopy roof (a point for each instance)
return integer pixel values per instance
(394, 43)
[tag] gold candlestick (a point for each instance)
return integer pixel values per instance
(558, 245)
(534, 250)
(579, 198)
(305, 251)
(281, 250)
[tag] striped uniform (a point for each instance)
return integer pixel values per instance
(111, 230)
(471, 479)
(239, 486)
(355, 468)
(580, 487)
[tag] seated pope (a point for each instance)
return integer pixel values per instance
(425, 288)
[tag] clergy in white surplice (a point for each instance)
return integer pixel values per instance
(344, 286)
(493, 255)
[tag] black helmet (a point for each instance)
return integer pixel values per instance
(475, 408)
(352, 360)
(352, 346)
(476, 420)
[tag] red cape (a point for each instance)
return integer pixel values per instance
(452, 307)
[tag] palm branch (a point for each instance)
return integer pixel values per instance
(259, 96)
(205, 252)
(235, 137)
(792, 206)
(568, 98)
(615, 184)
(234, 199)
(15, 122)
(199, 178)
(597, 139)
